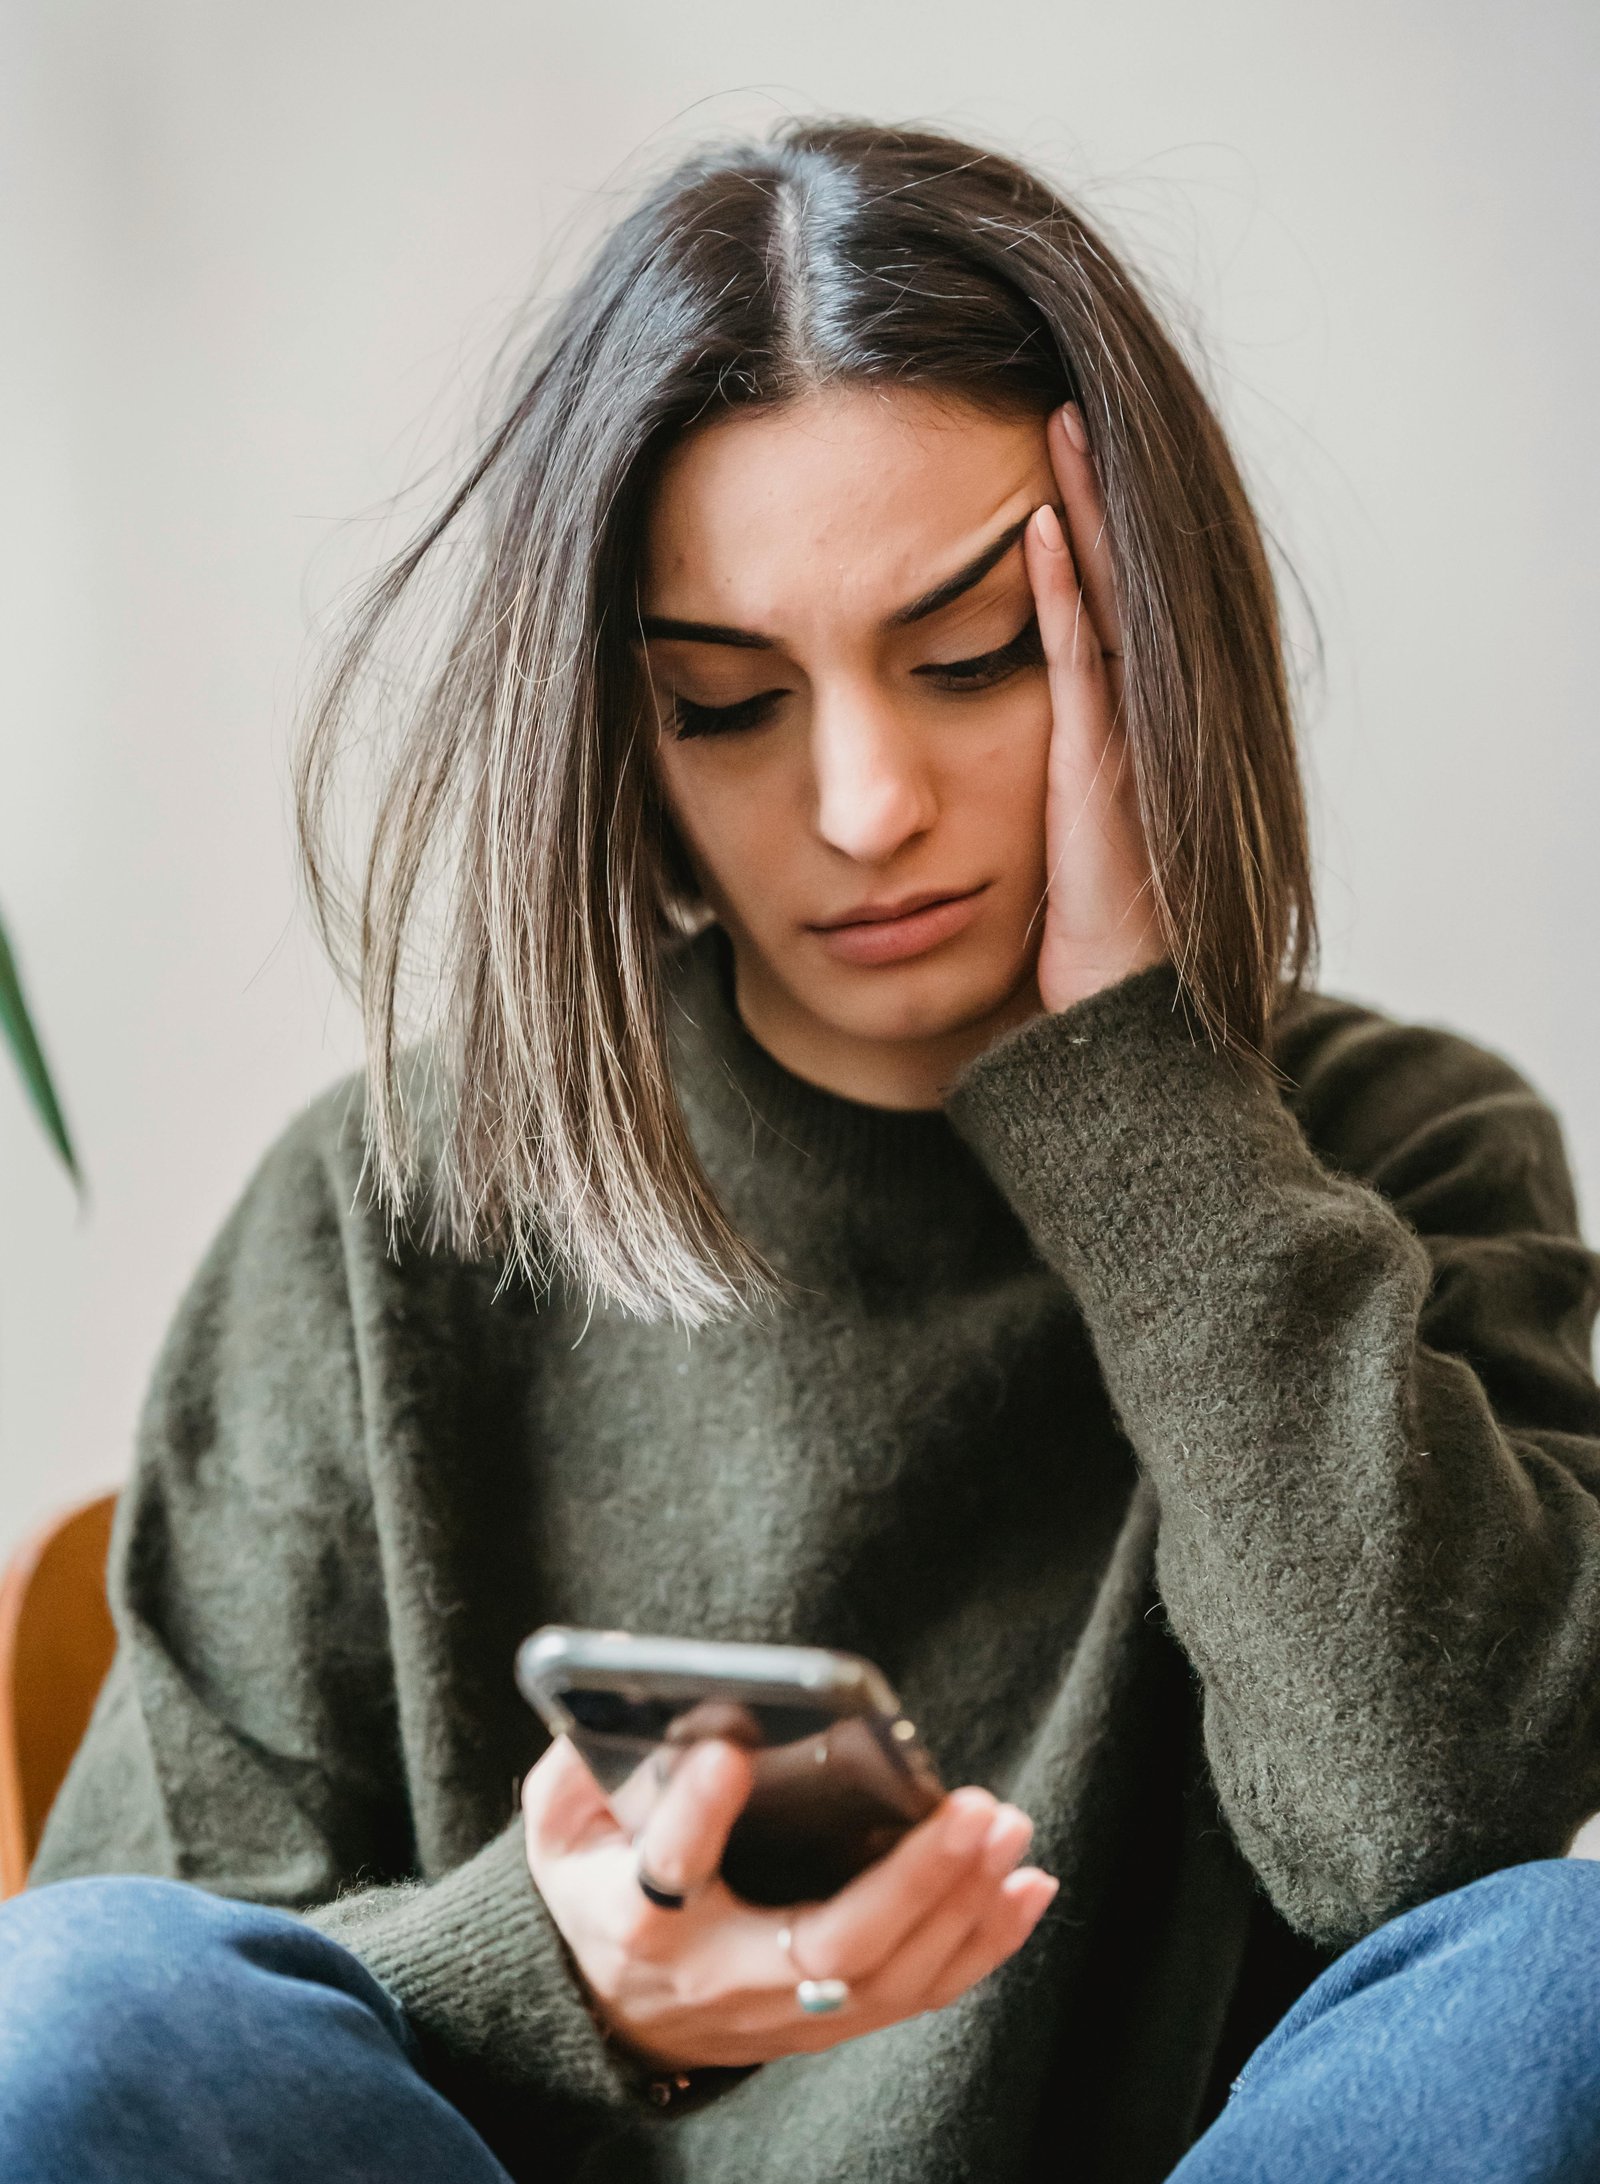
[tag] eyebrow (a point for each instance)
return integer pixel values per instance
(749, 640)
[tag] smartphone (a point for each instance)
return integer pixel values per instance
(840, 1773)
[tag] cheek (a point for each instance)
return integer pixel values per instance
(998, 776)
(733, 808)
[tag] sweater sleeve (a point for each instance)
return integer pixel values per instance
(247, 1739)
(1366, 1405)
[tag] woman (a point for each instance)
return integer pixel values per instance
(879, 1178)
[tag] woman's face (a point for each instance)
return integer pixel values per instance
(855, 719)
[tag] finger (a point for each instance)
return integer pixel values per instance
(1086, 523)
(1071, 642)
(563, 1806)
(765, 1971)
(858, 1930)
(682, 1842)
(901, 1986)
(1087, 762)
(1024, 1898)
(717, 1718)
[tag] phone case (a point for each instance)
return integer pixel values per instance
(840, 1773)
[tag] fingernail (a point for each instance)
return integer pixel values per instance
(967, 1826)
(1010, 1833)
(1072, 425)
(1048, 525)
(1026, 1882)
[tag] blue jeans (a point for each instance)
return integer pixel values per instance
(152, 2031)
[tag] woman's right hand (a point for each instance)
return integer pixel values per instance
(711, 1984)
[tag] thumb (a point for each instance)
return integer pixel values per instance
(681, 1844)
(563, 1807)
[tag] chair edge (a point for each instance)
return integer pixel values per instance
(16, 1580)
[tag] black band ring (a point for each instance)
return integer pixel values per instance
(665, 1899)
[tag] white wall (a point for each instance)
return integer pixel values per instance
(254, 259)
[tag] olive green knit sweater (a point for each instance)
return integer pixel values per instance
(1213, 1467)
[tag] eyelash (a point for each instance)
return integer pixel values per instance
(985, 672)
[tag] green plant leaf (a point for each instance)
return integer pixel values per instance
(17, 1027)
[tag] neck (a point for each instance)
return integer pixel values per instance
(913, 1073)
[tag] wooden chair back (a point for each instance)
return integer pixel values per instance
(56, 1643)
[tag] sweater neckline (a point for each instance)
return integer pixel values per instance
(799, 1121)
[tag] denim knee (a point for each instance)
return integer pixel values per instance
(1461, 2040)
(162, 2007)
(1529, 1935)
(90, 1952)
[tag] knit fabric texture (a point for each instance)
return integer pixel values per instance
(1213, 1465)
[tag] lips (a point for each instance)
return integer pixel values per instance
(885, 913)
(882, 933)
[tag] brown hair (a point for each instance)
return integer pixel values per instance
(520, 781)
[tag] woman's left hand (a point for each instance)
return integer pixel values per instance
(1100, 923)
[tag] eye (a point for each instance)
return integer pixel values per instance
(689, 719)
(982, 672)
(986, 669)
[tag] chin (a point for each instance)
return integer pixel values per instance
(923, 999)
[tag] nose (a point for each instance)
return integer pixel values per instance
(875, 791)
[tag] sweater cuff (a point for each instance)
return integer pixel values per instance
(480, 1969)
(1126, 1143)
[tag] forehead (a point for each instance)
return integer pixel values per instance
(846, 501)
